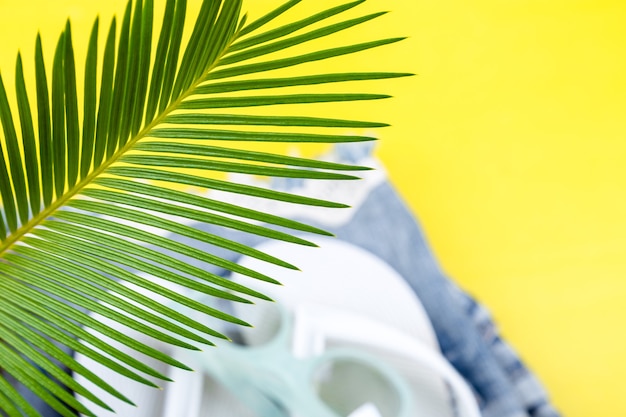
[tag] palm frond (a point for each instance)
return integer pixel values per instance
(88, 183)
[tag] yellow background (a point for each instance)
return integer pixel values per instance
(510, 145)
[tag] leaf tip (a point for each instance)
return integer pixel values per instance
(183, 367)
(127, 401)
(364, 168)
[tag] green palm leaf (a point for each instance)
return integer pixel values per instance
(76, 212)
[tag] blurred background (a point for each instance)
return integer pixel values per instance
(509, 145)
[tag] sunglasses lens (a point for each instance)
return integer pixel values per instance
(346, 385)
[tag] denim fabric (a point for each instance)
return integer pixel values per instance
(526, 385)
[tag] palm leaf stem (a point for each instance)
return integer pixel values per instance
(89, 179)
